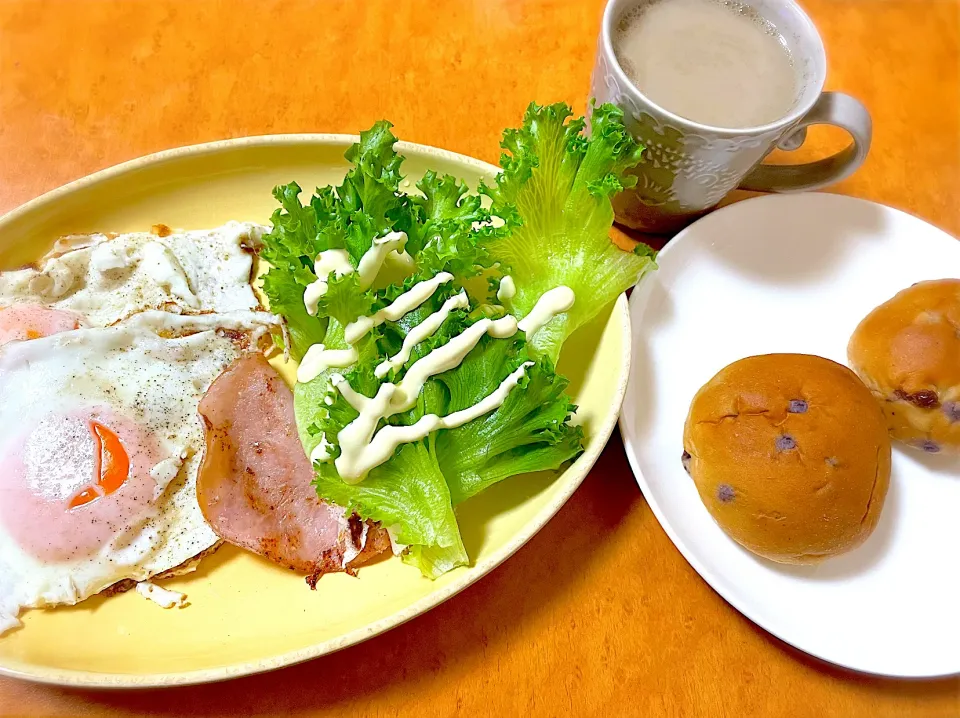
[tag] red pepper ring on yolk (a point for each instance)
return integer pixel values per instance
(111, 466)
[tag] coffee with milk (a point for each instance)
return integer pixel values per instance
(715, 62)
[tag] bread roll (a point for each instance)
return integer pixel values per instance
(790, 455)
(907, 351)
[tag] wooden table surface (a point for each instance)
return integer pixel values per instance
(599, 614)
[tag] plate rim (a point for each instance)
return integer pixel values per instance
(331, 139)
(576, 472)
(705, 573)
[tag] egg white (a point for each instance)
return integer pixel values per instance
(109, 278)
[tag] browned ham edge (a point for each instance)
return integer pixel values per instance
(255, 483)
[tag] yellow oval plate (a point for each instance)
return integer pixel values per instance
(246, 614)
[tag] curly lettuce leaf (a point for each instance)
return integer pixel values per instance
(294, 234)
(367, 204)
(407, 493)
(444, 240)
(285, 293)
(344, 302)
(310, 399)
(547, 226)
(554, 198)
(529, 432)
(382, 342)
(370, 203)
(286, 248)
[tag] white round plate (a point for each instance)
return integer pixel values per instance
(796, 273)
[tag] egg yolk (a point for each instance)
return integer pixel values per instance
(111, 466)
(21, 322)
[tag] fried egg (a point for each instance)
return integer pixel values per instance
(103, 279)
(100, 444)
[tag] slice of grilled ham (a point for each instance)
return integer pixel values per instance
(255, 484)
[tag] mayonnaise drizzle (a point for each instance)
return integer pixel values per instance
(507, 289)
(318, 359)
(404, 304)
(355, 399)
(359, 451)
(423, 331)
(446, 357)
(337, 262)
(550, 304)
(372, 259)
(354, 464)
(362, 447)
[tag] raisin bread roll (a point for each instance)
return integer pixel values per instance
(790, 455)
(907, 351)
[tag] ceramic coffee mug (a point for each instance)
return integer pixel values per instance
(689, 167)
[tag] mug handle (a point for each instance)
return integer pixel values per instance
(831, 108)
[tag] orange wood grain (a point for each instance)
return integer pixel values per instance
(599, 614)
